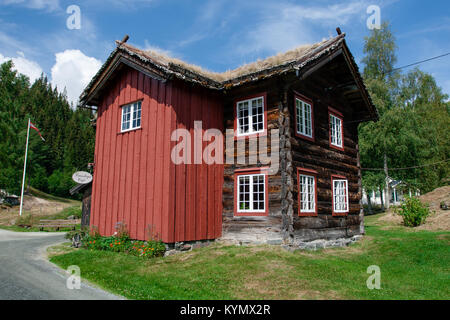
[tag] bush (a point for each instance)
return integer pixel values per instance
(413, 211)
(25, 221)
(120, 242)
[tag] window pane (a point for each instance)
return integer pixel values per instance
(250, 116)
(340, 195)
(304, 118)
(244, 193)
(243, 119)
(308, 123)
(307, 193)
(126, 117)
(336, 130)
(258, 192)
(257, 115)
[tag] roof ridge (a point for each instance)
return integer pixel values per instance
(279, 60)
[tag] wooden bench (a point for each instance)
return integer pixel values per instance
(58, 224)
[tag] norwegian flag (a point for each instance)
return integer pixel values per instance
(32, 126)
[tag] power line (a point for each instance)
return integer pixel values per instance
(419, 62)
(415, 167)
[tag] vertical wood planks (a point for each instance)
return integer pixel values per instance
(135, 180)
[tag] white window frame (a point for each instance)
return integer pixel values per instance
(336, 126)
(133, 116)
(301, 115)
(250, 117)
(307, 176)
(238, 193)
(335, 203)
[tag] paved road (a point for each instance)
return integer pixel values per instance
(25, 274)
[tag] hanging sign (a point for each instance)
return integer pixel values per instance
(82, 177)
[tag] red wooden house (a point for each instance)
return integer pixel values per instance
(313, 95)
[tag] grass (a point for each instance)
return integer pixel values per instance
(41, 206)
(64, 214)
(46, 196)
(414, 265)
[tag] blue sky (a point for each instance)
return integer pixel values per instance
(217, 35)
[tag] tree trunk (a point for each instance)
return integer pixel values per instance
(369, 204)
(386, 173)
(382, 199)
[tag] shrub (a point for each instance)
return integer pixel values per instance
(121, 242)
(81, 233)
(413, 211)
(25, 221)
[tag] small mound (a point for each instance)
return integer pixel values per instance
(438, 220)
(435, 197)
(441, 219)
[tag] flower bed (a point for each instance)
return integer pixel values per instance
(119, 242)
(147, 249)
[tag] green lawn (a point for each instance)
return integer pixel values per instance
(414, 265)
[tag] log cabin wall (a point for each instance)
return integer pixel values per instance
(254, 227)
(326, 161)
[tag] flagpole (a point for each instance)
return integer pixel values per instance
(24, 168)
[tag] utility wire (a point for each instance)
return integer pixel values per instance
(415, 167)
(419, 62)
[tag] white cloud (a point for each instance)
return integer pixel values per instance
(27, 67)
(73, 70)
(50, 5)
(284, 26)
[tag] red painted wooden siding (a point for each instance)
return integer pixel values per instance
(135, 180)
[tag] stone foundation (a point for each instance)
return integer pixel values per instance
(177, 247)
(321, 244)
(240, 240)
(255, 237)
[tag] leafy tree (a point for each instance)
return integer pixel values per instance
(414, 119)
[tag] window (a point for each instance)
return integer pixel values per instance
(131, 116)
(251, 193)
(304, 118)
(340, 195)
(307, 196)
(250, 116)
(336, 131)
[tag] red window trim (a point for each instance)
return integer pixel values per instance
(339, 115)
(313, 173)
(251, 135)
(339, 214)
(309, 101)
(249, 171)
